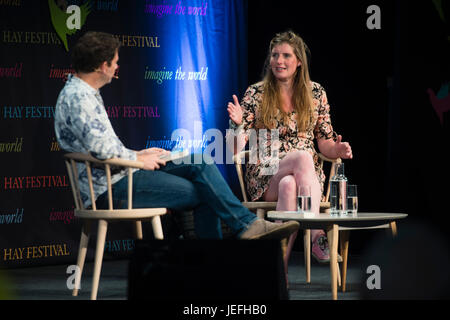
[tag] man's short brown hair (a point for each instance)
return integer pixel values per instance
(92, 49)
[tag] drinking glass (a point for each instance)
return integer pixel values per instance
(352, 199)
(304, 199)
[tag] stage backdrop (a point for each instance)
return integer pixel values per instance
(180, 62)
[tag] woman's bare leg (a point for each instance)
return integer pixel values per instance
(296, 169)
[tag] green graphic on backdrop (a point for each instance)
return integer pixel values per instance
(67, 20)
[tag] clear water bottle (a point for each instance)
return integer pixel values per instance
(338, 191)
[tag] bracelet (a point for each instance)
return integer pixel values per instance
(234, 126)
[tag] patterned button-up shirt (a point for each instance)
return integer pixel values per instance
(82, 125)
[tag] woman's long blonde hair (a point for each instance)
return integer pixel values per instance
(302, 98)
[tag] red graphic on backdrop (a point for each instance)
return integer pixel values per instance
(439, 102)
(11, 72)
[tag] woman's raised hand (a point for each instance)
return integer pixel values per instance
(235, 111)
(343, 149)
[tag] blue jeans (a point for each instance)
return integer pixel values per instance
(197, 187)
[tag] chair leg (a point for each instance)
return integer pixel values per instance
(393, 226)
(333, 239)
(85, 232)
(338, 274)
(284, 249)
(157, 228)
(138, 230)
(101, 236)
(261, 213)
(344, 235)
(307, 250)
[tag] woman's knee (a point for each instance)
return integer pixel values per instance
(287, 186)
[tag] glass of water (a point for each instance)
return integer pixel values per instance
(352, 199)
(304, 199)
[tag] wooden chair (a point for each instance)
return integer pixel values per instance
(108, 215)
(261, 207)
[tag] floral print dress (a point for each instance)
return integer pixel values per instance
(260, 168)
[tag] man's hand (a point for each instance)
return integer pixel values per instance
(151, 158)
(153, 151)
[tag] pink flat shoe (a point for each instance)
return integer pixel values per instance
(321, 251)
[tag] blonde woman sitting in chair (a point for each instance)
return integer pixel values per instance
(287, 100)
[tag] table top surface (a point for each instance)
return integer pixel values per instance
(326, 217)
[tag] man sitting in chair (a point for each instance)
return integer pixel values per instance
(82, 125)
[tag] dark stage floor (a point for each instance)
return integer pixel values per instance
(49, 282)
